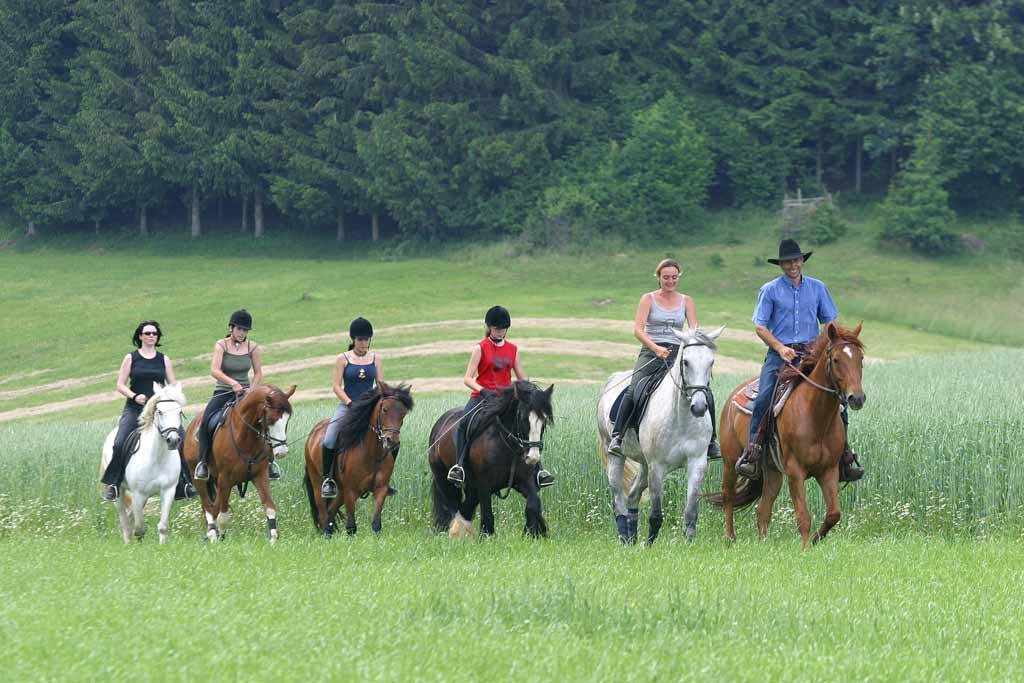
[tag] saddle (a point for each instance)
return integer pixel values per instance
(131, 444)
(641, 397)
(214, 422)
(744, 400)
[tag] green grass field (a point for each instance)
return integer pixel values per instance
(918, 581)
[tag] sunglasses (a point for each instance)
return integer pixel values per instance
(150, 334)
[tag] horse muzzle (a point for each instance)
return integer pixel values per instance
(699, 405)
(856, 401)
(532, 456)
(281, 451)
(173, 441)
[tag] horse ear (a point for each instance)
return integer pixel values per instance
(384, 388)
(550, 390)
(856, 330)
(714, 334)
(290, 392)
(833, 333)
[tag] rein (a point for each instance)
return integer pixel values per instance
(834, 389)
(518, 444)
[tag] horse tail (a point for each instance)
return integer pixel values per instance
(308, 485)
(747, 491)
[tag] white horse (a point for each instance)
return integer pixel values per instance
(676, 429)
(155, 466)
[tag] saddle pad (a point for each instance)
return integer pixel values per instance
(214, 422)
(750, 393)
(644, 390)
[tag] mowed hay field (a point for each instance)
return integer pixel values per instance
(918, 582)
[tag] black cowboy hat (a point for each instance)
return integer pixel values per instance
(241, 318)
(789, 249)
(498, 316)
(360, 328)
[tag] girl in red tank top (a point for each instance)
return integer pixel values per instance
(490, 369)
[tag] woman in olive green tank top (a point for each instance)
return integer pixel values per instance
(233, 357)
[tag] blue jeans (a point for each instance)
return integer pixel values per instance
(766, 389)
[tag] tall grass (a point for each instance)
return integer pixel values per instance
(939, 437)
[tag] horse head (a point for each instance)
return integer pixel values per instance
(389, 413)
(275, 412)
(845, 359)
(163, 409)
(692, 369)
(533, 413)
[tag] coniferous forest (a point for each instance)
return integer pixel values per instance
(479, 118)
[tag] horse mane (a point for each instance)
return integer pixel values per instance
(493, 408)
(813, 355)
(356, 421)
(171, 391)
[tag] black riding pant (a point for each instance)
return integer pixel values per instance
(204, 432)
(462, 433)
(128, 423)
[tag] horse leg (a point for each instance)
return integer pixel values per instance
(329, 515)
(772, 484)
(657, 484)
(220, 508)
(829, 483)
(696, 467)
(535, 525)
(262, 483)
(616, 464)
(379, 496)
(728, 491)
(350, 510)
(803, 515)
(122, 515)
(633, 504)
(138, 517)
(486, 513)
(166, 503)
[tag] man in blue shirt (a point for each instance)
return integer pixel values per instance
(786, 318)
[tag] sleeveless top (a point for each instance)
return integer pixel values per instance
(495, 368)
(358, 379)
(661, 322)
(144, 372)
(235, 367)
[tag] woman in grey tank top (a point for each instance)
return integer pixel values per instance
(658, 313)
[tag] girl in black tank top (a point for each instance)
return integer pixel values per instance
(139, 370)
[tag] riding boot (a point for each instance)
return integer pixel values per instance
(849, 466)
(110, 493)
(749, 464)
(714, 452)
(273, 471)
(202, 472)
(185, 489)
(621, 424)
(329, 489)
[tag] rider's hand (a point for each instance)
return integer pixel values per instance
(488, 393)
(787, 354)
(662, 353)
(237, 388)
(136, 398)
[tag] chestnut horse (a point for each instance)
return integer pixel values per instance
(506, 438)
(362, 465)
(810, 434)
(255, 426)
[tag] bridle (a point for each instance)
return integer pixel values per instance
(834, 388)
(262, 432)
(512, 438)
(686, 389)
(385, 433)
(166, 432)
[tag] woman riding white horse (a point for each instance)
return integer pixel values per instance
(155, 466)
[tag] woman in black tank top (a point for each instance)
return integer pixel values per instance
(139, 370)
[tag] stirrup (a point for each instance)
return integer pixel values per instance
(273, 471)
(189, 491)
(457, 475)
(329, 489)
(392, 491)
(110, 493)
(615, 446)
(749, 464)
(545, 478)
(849, 468)
(202, 472)
(714, 452)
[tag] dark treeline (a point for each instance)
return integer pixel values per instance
(478, 118)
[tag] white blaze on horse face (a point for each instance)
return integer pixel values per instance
(848, 352)
(279, 432)
(536, 431)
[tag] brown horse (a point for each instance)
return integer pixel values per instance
(255, 426)
(810, 433)
(363, 464)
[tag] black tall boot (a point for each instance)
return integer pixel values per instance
(849, 465)
(202, 472)
(329, 489)
(457, 475)
(714, 452)
(621, 424)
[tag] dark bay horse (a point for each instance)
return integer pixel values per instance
(368, 445)
(810, 433)
(255, 426)
(506, 438)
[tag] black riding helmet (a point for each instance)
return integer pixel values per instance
(241, 318)
(498, 316)
(360, 328)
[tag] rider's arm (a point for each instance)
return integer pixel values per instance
(643, 309)
(122, 378)
(257, 367)
(339, 377)
(168, 370)
(474, 362)
(216, 372)
(691, 313)
(380, 373)
(768, 338)
(518, 369)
